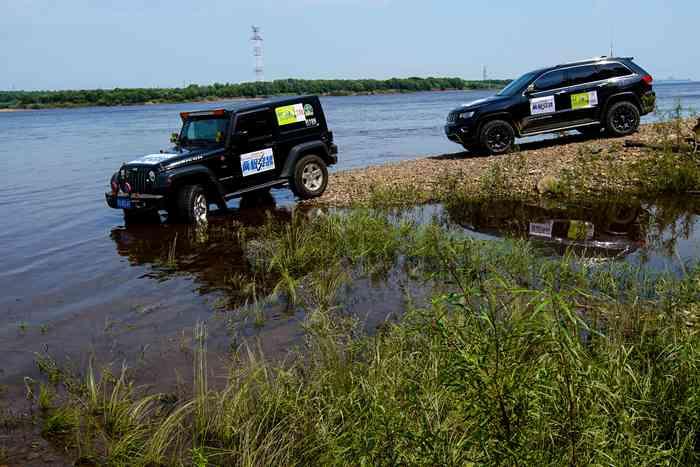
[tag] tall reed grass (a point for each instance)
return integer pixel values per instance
(515, 360)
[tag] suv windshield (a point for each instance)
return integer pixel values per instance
(204, 131)
(517, 85)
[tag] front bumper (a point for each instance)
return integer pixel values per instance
(461, 133)
(139, 202)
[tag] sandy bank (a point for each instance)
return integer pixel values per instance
(591, 164)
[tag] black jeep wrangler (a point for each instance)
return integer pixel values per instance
(225, 153)
(590, 95)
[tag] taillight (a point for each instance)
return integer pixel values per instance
(648, 79)
(115, 187)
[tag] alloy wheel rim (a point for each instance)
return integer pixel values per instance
(312, 176)
(498, 139)
(623, 119)
(200, 208)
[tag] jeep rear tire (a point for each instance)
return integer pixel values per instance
(622, 119)
(497, 137)
(191, 205)
(310, 177)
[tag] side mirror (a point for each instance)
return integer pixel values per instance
(174, 138)
(530, 89)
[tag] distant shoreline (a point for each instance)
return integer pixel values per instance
(231, 99)
(39, 100)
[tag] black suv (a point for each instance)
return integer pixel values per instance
(224, 153)
(589, 95)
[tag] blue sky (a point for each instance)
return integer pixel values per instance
(103, 44)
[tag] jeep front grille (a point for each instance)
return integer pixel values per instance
(137, 178)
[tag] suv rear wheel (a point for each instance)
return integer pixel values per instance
(622, 119)
(192, 205)
(310, 177)
(497, 136)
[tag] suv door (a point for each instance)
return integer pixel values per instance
(545, 102)
(254, 155)
(612, 77)
(583, 95)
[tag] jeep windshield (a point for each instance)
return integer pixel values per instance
(515, 86)
(204, 131)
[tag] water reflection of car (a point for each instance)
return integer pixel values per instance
(594, 229)
(212, 254)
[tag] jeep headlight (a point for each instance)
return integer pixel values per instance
(122, 174)
(466, 115)
(152, 176)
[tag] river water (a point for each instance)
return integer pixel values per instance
(74, 281)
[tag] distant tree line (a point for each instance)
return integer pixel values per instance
(217, 91)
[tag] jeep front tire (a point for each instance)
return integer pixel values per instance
(497, 137)
(191, 205)
(622, 119)
(310, 177)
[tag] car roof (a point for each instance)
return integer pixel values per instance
(262, 104)
(272, 102)
(587, 61)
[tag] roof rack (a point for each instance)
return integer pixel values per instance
(595, 59)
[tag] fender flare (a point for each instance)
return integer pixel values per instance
(621, 96)
(498, 115)
(317, 147)
(176, 176)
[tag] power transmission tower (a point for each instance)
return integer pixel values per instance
(257, 41)
(484, 75)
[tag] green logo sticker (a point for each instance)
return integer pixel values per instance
(290, 114)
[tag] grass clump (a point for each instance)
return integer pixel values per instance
(514, 360)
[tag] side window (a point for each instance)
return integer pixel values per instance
(552, 80)
(582, 75)
(612, 70)
(257, 124)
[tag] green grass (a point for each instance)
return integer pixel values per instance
(514, 360)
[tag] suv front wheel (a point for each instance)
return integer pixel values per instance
(310, 177)
(191, 206)
(622, 119)
(497, 137)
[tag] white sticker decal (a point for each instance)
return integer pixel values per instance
(541, 229)
(308, 110)
(542, 105)
(257, 162)
(153, 159)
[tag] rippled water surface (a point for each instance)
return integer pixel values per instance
(75, 280)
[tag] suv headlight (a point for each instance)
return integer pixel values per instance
(466, 115)
(152, 176)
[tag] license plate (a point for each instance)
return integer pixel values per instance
(123, 203)
(541, 229)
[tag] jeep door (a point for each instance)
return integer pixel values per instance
(546, 103)
(254, 153)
